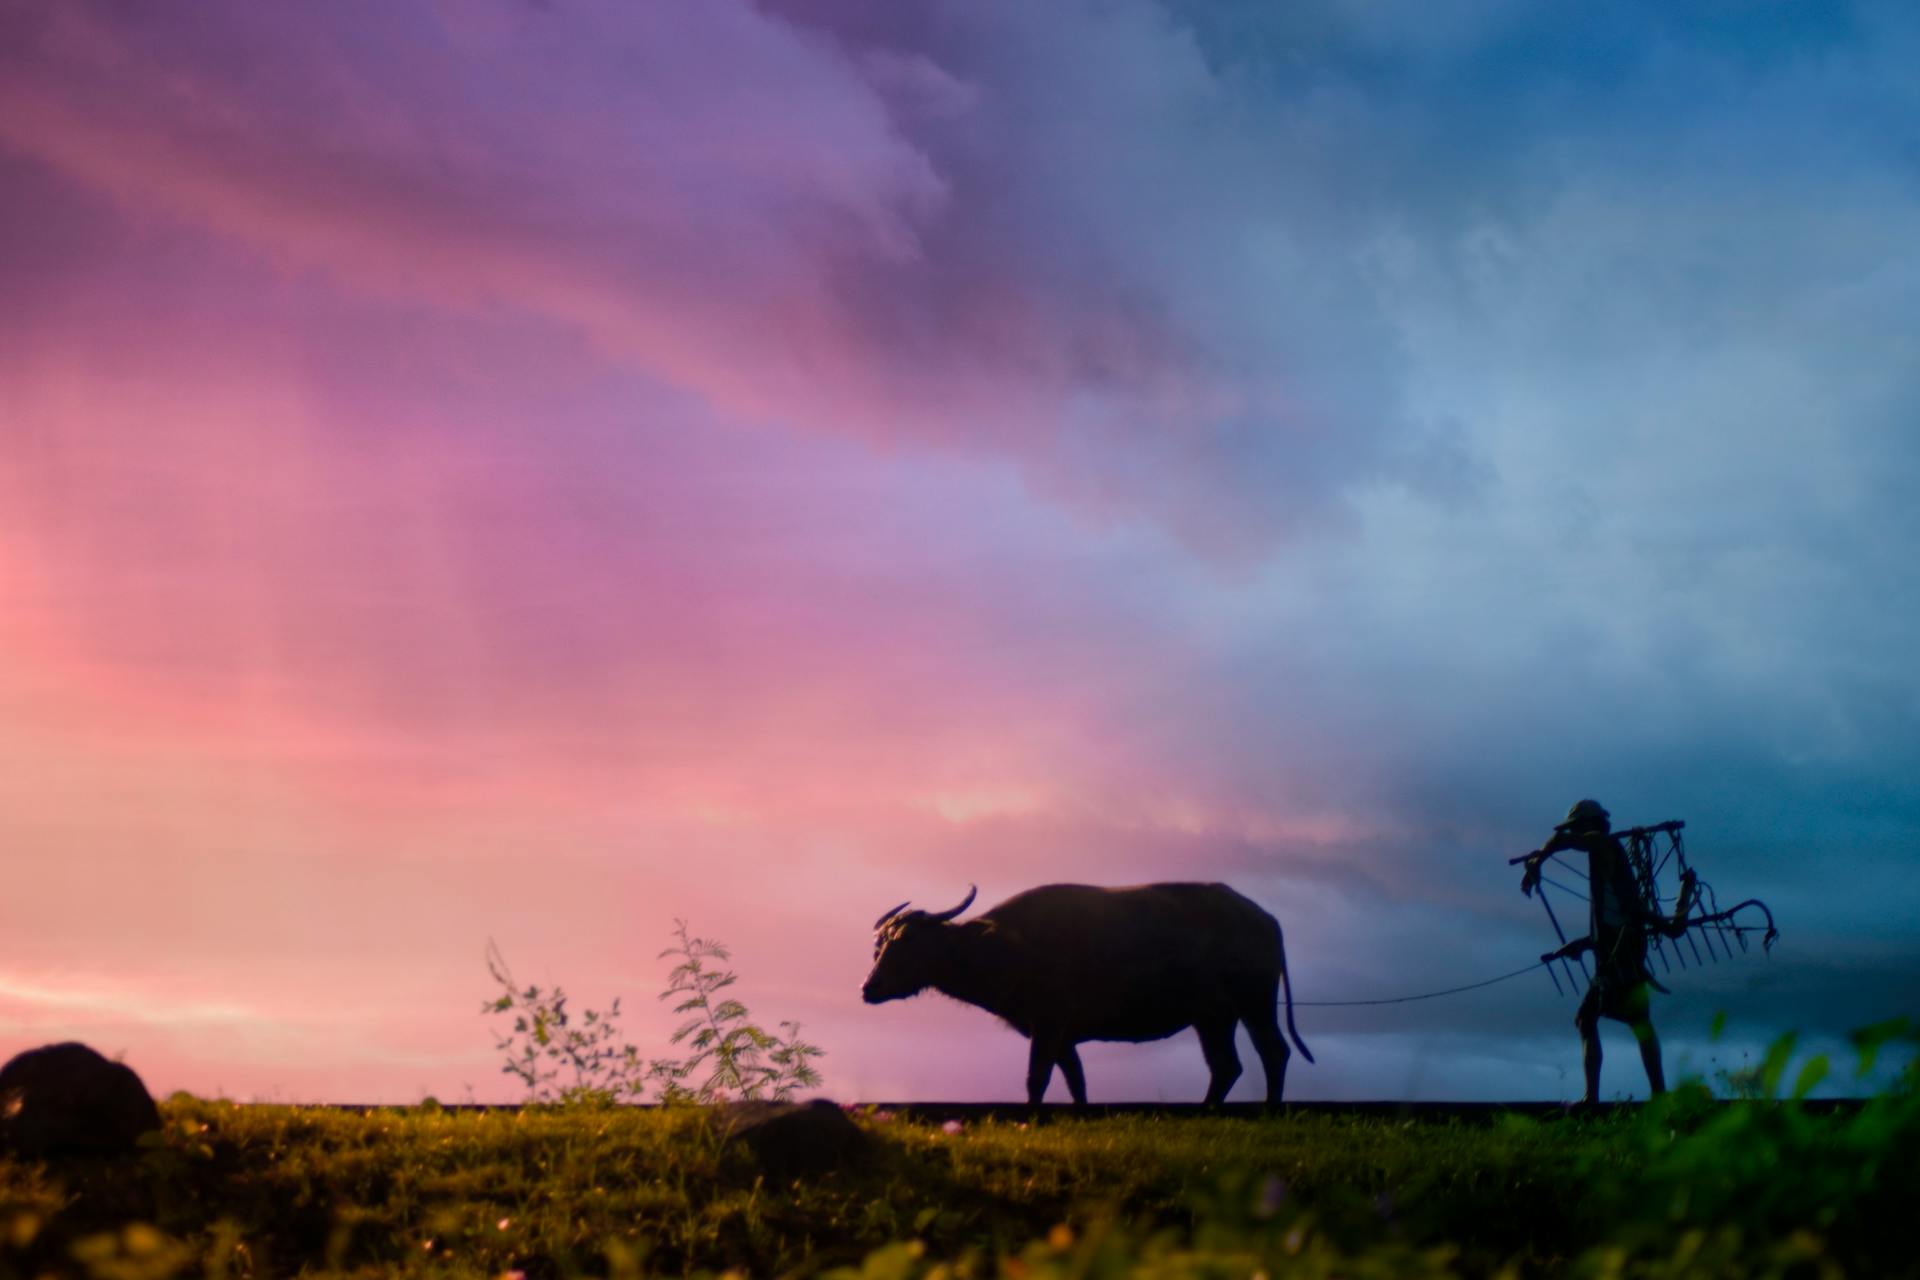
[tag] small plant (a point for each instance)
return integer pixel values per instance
(558, 1059)
(1743, 1082)
(565, 1059)
(738, 1058)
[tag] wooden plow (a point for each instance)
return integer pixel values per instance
(1691, 914)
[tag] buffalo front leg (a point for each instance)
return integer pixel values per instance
(1076, 1078)
(1223, 1060)
(1040, 1058)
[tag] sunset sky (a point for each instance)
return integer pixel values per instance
(530, 470)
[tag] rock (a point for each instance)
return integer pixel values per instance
(791, 1139)
(65, 1099)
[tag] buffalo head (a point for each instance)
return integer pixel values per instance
(907, 946)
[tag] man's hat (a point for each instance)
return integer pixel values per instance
(1585, 813)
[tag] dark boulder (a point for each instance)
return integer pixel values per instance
(791, 1139)
(66, 1099)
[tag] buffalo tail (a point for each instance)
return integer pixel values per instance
(1286, 979)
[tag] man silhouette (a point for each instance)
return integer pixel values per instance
(1617, 936)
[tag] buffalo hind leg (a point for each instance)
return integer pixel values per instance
(1076, 1078)
(1223, 1060)
(1262, 1016)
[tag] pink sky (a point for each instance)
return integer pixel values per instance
(500, 471)
(421, 526)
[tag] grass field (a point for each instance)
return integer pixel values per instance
(1685, 1187)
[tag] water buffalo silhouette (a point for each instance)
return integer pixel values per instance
(1066, 963)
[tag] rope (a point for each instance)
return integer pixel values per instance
(1471, 986)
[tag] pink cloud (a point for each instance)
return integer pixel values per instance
(339, 641)
(300, 712)
(375, 530)
(402, 546)
(731, 203)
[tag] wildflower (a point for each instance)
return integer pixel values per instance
(1272, 1192)
(951, 1127)
(503, 1224)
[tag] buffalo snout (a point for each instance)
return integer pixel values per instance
(877, 991)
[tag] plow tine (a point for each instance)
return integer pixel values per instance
(1696, 948)
(1556, 980)
(1707, 938)
(1561, 934)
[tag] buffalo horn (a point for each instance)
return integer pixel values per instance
(964, 904)
(891, 914)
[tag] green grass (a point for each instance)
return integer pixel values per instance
(1685, 1188)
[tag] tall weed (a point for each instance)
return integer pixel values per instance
(564, 1058)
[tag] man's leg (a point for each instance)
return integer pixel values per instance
(1642, 1024)
(1650, 1056)
(1587, 1018)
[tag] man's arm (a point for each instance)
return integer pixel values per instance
(1530, 877)
(1531, 862)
